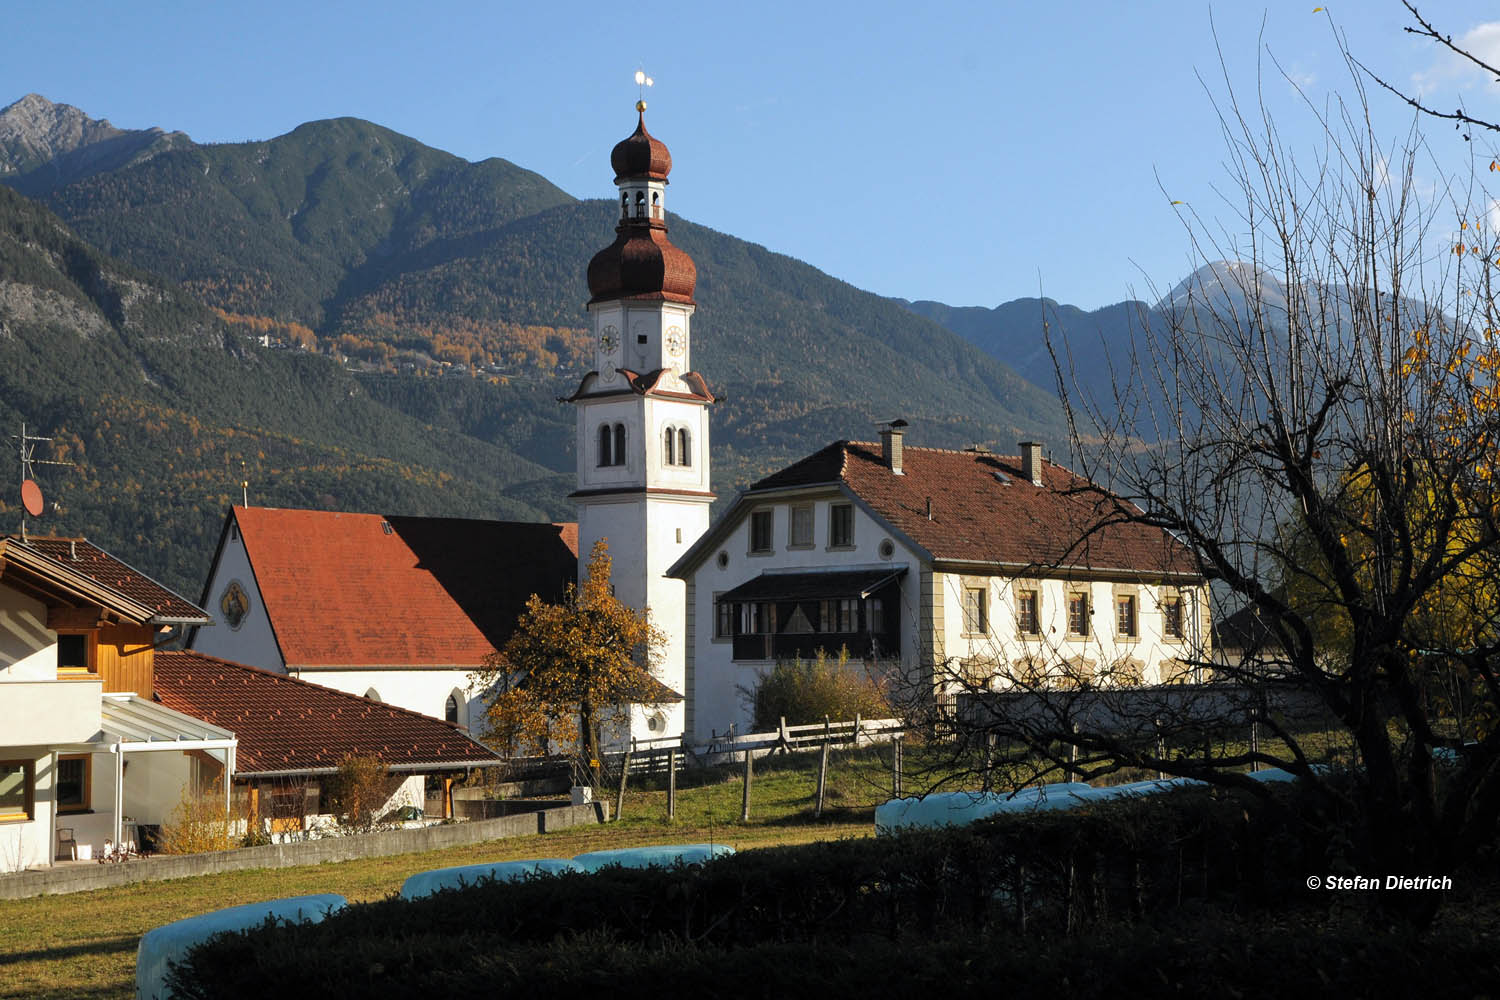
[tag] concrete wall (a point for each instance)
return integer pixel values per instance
(48, 711)
(367, 845)
(28, 649)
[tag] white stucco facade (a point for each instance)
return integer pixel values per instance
(936, 644)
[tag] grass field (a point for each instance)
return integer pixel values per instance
(82, 945)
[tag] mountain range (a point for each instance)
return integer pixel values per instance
(370, 323)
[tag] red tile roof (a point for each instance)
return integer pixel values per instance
(284, 724)
(985, 510)
(83, 556)
(342, 590)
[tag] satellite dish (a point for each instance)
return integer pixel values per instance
(31, 498)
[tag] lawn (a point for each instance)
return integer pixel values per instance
(82, 945)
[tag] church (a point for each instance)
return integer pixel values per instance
(955, 566)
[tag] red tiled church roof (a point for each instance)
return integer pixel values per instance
(985, 510)
(83, 556)
(284, 724)
(365, 589)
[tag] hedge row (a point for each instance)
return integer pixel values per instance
(1036, 876)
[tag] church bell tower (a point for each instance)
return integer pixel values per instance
(642, 439)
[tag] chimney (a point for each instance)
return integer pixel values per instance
(1031, 461)
(891, 433)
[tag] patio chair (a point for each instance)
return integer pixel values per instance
(67, 846)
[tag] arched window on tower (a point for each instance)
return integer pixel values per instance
(640, 204)
(656, 204)
(668, 456)
(625, 205)
(606, 454)
(684, 449)
(619, 444)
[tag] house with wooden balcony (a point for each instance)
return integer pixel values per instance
(956, 571)
(87, 755)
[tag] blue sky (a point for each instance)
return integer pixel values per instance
(967, 152)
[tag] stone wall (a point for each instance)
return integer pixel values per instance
(81, 878)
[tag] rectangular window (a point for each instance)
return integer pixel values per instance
(723, 619)
(1078, 614)
(760, 530)
(73, 783)
(840, 525)
(875, 614)
(1171, 617)
(848, 609)
(73, 653)
(17, 784)
(801, 526)
(757, 619)
(976, 618)
(1028, 620)
(1125, 615)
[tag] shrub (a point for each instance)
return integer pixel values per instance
(1048, 883)
(200, 822)
(806, 691)
(359, 788)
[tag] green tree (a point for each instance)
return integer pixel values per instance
(572, 669)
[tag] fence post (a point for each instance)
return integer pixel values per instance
(672, 783)
(896, 766)
(989, 760)
(1254, 740)
(624, 773)
(822, 770)
(745, 801)
(856, 730)
(1161, 749)
(1073, 750)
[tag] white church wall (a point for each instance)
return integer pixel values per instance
(254, 642)
(425, 691)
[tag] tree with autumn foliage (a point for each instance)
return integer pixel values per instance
(571, 670)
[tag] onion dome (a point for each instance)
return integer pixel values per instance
(642, 264)
(641, 154)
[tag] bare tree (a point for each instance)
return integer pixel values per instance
(1324, 403)
(1459, 116)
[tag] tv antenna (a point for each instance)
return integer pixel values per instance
(32, 503)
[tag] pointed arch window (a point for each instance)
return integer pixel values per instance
(450, 709)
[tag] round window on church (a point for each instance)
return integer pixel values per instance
(723, 559)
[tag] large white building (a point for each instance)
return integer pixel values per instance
(963, 570)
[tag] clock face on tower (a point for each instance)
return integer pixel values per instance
(674, 340)
(609, 339)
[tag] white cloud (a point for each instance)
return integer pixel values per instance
(1483, 42)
